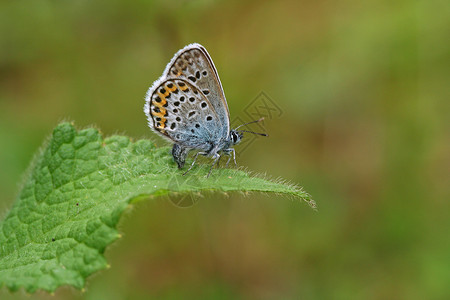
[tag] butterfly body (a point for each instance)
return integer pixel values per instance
(187, 106)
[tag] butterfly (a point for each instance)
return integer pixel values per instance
(187, 106)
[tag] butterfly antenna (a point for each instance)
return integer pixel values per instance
(260, 120)
(257, 121)
(262, 134)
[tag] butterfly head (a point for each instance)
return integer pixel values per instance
(235, 136)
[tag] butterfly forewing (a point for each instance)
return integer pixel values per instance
(194, 64)
(178, 110)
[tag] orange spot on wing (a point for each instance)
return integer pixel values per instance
(162, 123)
(173, 88)
(163, 99)
(163, 95)
(160, 114)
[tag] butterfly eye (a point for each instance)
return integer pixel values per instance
(235, 137)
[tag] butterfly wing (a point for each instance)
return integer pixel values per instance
(180, 112)
(193, 64)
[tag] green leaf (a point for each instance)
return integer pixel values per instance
(77, 188)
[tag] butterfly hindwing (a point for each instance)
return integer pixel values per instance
(177, 110)
(193, 64)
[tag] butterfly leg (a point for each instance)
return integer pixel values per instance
(229, 151)
(216, 159)
(228, 161)
(195, 158)
(218, 162)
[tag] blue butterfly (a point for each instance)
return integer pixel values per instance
(187, 106)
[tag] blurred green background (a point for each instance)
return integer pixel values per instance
(364, 91)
